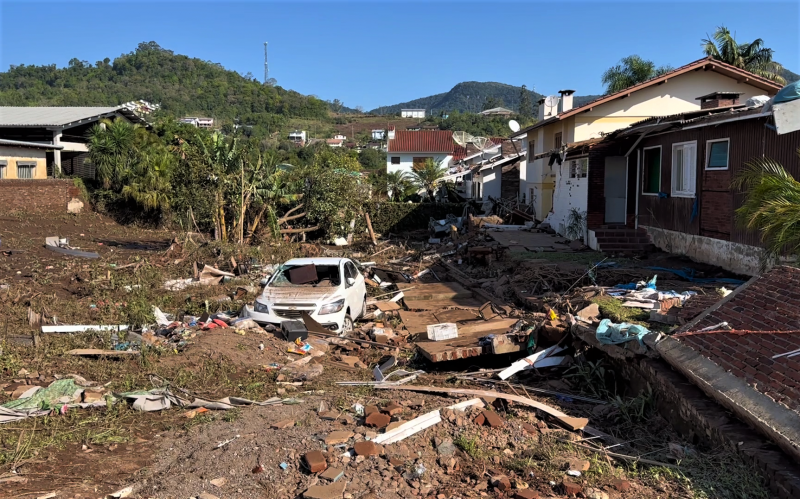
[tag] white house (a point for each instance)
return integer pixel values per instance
(412, 113)
(409, 150)
(378, 134)
(556, 188)
(339, 136)
(298, 137)
(335, 142)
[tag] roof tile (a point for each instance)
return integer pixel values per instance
(423, 141)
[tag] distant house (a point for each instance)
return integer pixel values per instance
(498, 176)
(335, 142)
(38, 142)
(298, 137)
(378, 134)
(414, 128)
(199, 122)
(412, 113)
(407, 151)
(497, 111)
(339, 136)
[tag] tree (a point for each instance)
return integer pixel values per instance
(771, 206)
(397, 184)
(428, 175)
(631, 71)
(525, 104)
(372, 159)
(491, 103)
(149, 184)
(753, 57)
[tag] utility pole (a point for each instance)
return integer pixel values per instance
(266, 66)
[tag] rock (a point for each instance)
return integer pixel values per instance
(446, 448)
(501, 483)
(621, 485)
(338, 437)
(595, 494)
(333, 474)
(285, 423)
(578, 465)
(529, 429)
(329, 415)
(206, 495)
(378, 420)
(370, 409)
(394, 424)
(315, 460)
(526, 494)
(589, 312)
(218, 482)
(570, 488)
(333, 491)
(393, 408)
(366, 448)
(492, 419)
(480, 419)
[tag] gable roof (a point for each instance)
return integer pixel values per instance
(60, 116)
(422, 141)
(707, 64)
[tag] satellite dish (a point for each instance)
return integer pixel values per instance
(482, 143)
(513, 125)
(551, 101)
(462, 138)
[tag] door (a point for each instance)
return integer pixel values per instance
(419, 162)
(616, 188)
(355, 295)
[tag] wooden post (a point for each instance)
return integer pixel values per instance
(369, 228)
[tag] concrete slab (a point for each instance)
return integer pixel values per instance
(468, 303)
(433, 291)
(511, 238)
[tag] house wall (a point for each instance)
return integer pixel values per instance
(407, 160)
(569, 193)
(27, 154)
(491, 182)
(509, 189)
(39, 196)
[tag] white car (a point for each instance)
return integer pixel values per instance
(333, 295)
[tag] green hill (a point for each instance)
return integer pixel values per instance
(469, 97)
(789, 76)
(184, 86)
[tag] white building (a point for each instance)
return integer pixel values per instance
(298, 137)
(198, 122)
(412, 113)
(378, 134)
(409, 150)
(335, 142)
(339, 136)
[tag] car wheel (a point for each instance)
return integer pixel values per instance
(347, 325)
(363, 308)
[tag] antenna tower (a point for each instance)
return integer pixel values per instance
(266, 65)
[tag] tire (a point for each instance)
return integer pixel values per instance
(363, 308)
(347, 325)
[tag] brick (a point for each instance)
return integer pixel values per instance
(370, 409)
(315, 461)
(333, 491)
(332, 474)
(378, 420)
(501, 483)
(621, 485)
(285, 423)
(393, 408)
(338, 437)
(366, 448)
(492, 419)
(570, 488)
(526, 494)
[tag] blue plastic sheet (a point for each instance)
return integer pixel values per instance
(788, 93)
(609, 333)
(688, 274)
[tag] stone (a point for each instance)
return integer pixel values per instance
(74, 205)
(393, 408)
(366, 448)
(529, 429)
(206, 495)
(579, 465)
(333, 474)
(370, 409)
(397, 463)
(621, 485)
(501, 483)
(595, 494)
(526, 494)
(378, 420)
(218, 482)
(333, 491)
(315, 460)
(329, 415)
(285, 423)
(492, 419)
(338, 437)
(589, 312)
(446, 448)
(480, 419)
(570, 488)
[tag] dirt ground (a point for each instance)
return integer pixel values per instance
(89, 453)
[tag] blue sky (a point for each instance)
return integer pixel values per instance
(380, 53)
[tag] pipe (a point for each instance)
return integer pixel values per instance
(636, 190)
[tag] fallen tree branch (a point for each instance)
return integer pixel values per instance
(298, 231)
(293, 217)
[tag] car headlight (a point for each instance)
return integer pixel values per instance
(332, 308)
(261, 308)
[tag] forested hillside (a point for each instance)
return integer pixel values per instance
(182, 85)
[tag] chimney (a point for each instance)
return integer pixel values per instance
(391, 132)
(541, 108)
(719, 99)
(566, 100)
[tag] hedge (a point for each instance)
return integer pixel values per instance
(400, 217)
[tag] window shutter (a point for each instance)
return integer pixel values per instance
(690, 167)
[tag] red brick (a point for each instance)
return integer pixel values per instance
(315, 460)
(621, 485)
(492, 419)
(526, 494)
(393, 408)
(366, 448)
(570, 488)
(378, 420)
(37, 195)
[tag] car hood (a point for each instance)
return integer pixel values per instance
(299, 294)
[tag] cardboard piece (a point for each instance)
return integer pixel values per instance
(303, 275)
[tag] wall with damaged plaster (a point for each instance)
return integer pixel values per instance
(735, 257)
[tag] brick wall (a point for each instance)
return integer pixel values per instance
(716, 215)
(36, 196)
(704, 422)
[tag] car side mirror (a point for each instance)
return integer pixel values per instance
(350, 281)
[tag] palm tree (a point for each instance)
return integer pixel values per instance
(753, 56)
(427, 176)
(772, 206)
(149, 181)
(112, 150)
(631, 71)
(397, 183)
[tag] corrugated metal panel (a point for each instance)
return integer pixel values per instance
(57, 116)
(423, 141)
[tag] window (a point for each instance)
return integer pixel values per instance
(651, 170)
(579, 168)
(531, 150)
(3, 165)
(717, 155)
(684, 167)
(350, 272)
(25, 170)
(557, 140)
(395, 160)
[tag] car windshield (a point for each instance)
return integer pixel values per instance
(307, 275)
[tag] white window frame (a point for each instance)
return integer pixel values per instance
(3, 168)
(727, 155)
(579, 168)
(27, 164)
(660, 170)
(693, 172)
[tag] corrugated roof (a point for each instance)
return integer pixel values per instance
(716, 66)
(423, 141)
(25, 143)
(59, 116)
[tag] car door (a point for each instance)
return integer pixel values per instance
(355, 292)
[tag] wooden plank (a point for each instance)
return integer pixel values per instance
(456, 316)
(434, 291)
(468, 303)
(387, 306)
(89, 352)
(417, 322)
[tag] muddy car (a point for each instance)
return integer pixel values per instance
(330, 290)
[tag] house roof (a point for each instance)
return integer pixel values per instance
(334, 141)
(422, 141)
(497, 110)
(698, 117)
(60, 116)
(24, 143)
(719, 94)
(706, 63)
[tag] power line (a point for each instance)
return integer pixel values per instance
(266, 65)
